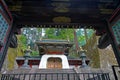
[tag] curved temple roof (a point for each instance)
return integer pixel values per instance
(53, 42)
(53, 46)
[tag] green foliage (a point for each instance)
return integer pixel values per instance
(22, 41)
(34, 53)
(74, 55)
(52, 33)
(81, 35)
(81, 40)
(49, 33)
(39, 29)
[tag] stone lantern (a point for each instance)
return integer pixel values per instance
(26, 56)
(84, 58)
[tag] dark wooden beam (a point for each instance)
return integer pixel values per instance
(60, 25)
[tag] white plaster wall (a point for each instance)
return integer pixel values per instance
(43, 62)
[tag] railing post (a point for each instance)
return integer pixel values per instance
(34, 76)
(39, 76)
(68, 76)
(99, 78)
(2, 77)
(45, 76)
(107, 76)
(62, 76)
(115, 75)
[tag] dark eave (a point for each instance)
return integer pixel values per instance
(81, 13)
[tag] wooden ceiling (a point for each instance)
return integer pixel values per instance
(62, 13)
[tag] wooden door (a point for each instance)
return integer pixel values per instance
(55, 63)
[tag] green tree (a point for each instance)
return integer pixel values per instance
(22, 40)
(54, 33)
(34, 53)
(83, 37)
